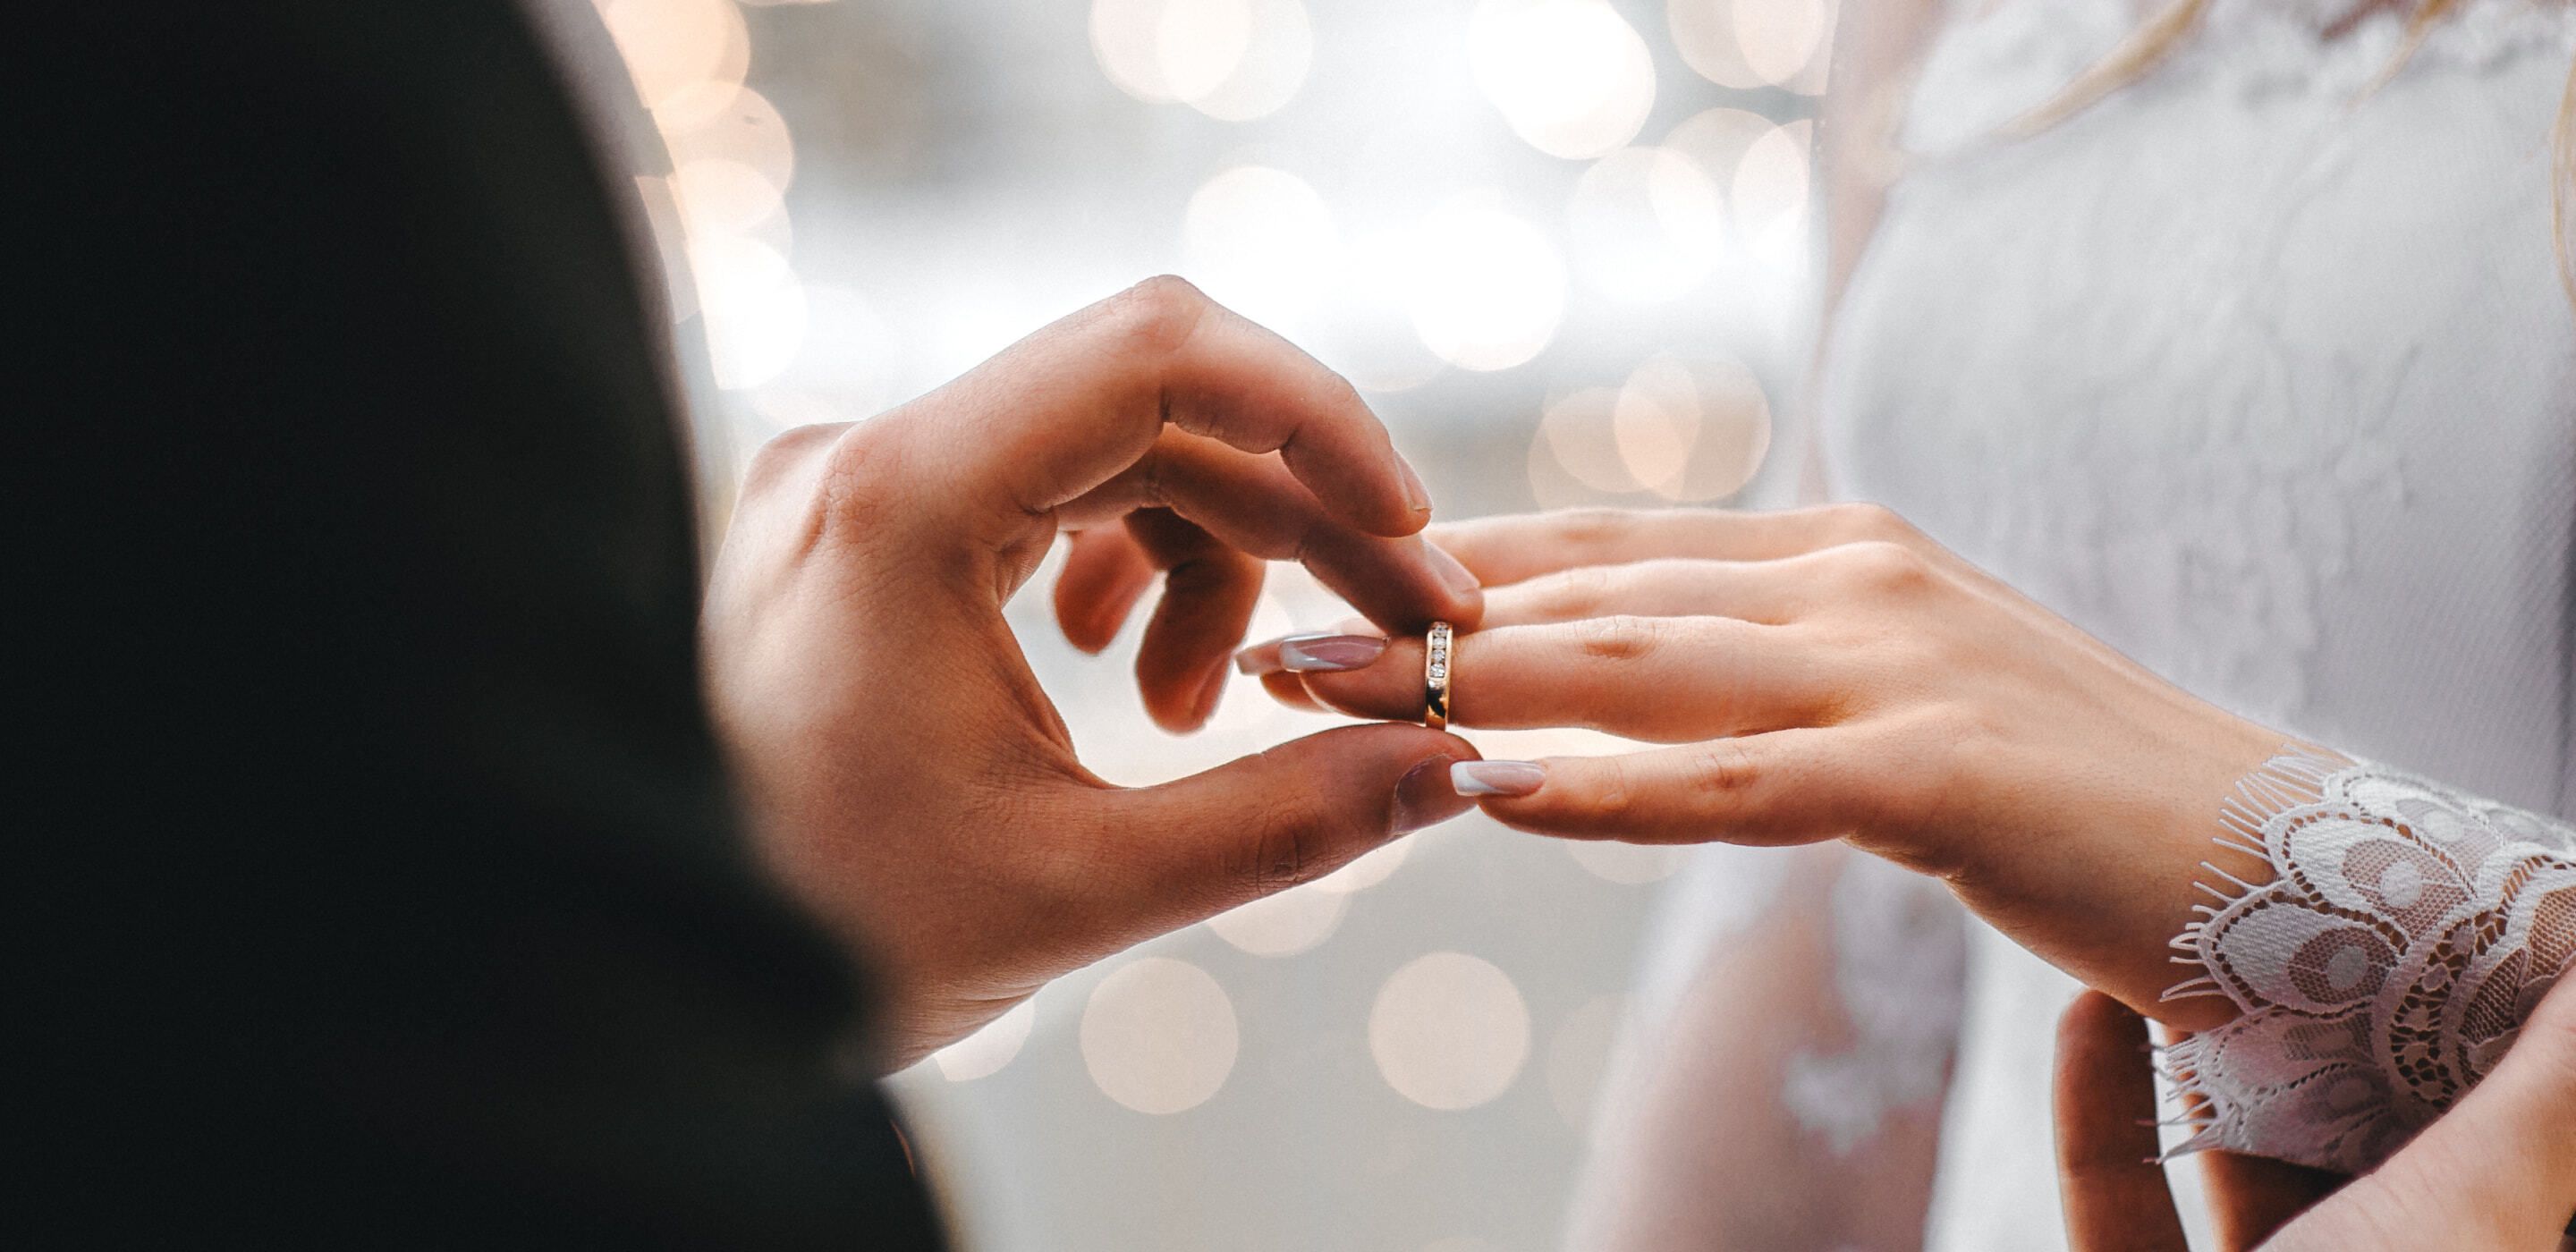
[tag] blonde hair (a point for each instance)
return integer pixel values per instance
(2157, 37)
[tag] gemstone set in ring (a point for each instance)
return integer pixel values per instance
(1435, 676)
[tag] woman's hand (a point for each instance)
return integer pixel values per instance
(2496, 1172)
(1832, 673)
(907, 775)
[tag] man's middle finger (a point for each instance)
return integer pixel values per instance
(1253, 503)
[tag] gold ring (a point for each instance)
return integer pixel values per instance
(1435, 677)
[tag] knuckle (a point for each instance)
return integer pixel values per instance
(1614, 792)
(777, 461)
(1719, 774)
(1574, 593)
(1887, 567)
(1596, 528)
(1621, 639)
(1157, 315)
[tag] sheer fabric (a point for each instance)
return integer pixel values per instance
(2266, 382)
(2404, 935)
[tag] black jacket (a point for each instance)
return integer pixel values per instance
(377, 874)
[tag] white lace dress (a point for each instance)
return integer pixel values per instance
(2270, 384)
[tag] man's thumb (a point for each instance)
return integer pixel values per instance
(1273, 820)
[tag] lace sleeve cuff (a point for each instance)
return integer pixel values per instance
(2406, 932)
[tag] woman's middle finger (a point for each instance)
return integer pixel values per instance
(1663, 679)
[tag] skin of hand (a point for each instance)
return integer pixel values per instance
(1831, 673)
(2498, 1171)
(906, 775)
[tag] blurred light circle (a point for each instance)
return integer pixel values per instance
(1571, 76)
(678, 51)
(1755, 43)
(1449, 1031)
(1647, 224)
(717, 195)
(1159, 1035)
(1370, 869)
(1692, 430)
(1655, 422)
(744, 127)
(1717, 139)
(1284, 924)
(753, 306)
(1369, 338)
(1770, 188)
(1579, 433)
(1261, 242)
(1780, 38)
(1200, 43)
(984, 1053)
(1704, 33)
(1127, 40)
(1578, 1054)
(1232, 59)
(1631, 864)
(1271, 70)
(852, 356)
(1487, 289)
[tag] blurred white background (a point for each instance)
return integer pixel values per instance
(1565, 249)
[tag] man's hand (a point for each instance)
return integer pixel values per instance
(2496, 1172)
(908, 777)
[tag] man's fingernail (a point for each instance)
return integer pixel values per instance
(1326, 654)
(1425, 798)
(1452, 573)
(1416, 496)
(1496, 778)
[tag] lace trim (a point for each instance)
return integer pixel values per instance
(2387, 966)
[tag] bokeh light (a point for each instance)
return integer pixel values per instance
(1487, 288)
(721, 196)
(753, 305)
(1285, 924)
(1235, 60)
(1449, 1031)
(1578, 436)
(1770, 189)
(683, 54)
(1647, 224)
(1572, 77)
(984, 1053)
(1693, 431)
(741, 126)
(1371, 868)
(1747, 44)
(1159, 1035)
(1272, 69)
(1370, 338)
(1261, 242)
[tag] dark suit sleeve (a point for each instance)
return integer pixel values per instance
(391, 889)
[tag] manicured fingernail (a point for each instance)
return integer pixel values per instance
(1452, 573)
(1425, 798)
(1496, 778)
(1416, 496)
(1326, 654)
